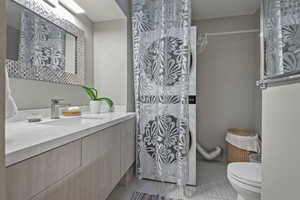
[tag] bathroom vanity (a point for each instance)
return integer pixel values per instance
(69, 159)
(72, 158)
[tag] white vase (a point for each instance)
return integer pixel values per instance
(95, 107)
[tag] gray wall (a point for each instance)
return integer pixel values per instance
(110, 48)
(227, 96)
(125, 5)
(13, 36)
(130, 74)
(2, 98)
(281, 125)
(30, 94)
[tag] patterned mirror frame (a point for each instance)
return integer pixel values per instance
(22, 71)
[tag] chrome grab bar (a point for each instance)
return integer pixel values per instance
(265, 82)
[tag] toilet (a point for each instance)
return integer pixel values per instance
(246, 179)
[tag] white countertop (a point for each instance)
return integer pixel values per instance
(25, 140)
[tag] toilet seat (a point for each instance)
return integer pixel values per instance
(245, 175)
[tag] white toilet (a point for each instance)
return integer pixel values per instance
(246, 179)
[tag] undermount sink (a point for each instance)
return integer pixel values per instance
(64, 122)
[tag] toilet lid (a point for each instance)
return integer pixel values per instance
(248, 173)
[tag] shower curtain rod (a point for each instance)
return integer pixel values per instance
(234, 32)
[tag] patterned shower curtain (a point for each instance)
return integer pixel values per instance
(161, 39)
(282, 37)
(42, 44)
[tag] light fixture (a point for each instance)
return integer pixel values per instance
(72, 6)
(52, 3)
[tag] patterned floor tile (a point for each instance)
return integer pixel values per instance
(212, 185)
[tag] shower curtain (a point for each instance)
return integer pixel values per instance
(282, 37)
(161, 45)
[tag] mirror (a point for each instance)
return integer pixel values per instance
(35, 41)
(39, 49)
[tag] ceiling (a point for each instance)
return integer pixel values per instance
(208, 9)
(105, 10)
(101, 10)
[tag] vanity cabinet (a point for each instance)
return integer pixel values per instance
(107, 156)
(102, 159)
(127, 146)
(87, 169)
(67, 188)
(29, 177)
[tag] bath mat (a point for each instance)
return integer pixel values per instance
(144, 196)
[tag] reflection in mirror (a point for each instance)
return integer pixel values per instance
(36, 42)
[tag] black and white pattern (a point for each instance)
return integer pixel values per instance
(21, 70)
(291, 48)
(165, 138)
(151, 99)
(282, 37)
(42, 44)
(163, 61)
(161, 45)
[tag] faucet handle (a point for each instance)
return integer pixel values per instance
(56, 101)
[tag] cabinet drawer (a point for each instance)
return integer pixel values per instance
(66, 189)
(29, 177)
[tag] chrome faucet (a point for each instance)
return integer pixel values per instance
(55, 105)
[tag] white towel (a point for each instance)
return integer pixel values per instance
(249, 143)
(11, 107)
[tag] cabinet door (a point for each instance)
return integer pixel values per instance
(29, 177)
(92, 165)
(127, 145)
(110, 147)
(101, 160)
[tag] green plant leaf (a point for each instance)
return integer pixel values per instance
(109, 102)
(89, 92)
(95, 92)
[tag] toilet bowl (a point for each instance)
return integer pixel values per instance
(246, 179)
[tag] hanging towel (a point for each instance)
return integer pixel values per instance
(248, 143)
(11, 107)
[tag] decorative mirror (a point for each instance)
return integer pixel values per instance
(42, 45)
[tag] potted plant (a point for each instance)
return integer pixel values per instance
(96, 101)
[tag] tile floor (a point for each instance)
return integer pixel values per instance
(212, 185)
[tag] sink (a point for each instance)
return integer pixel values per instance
(64, 122)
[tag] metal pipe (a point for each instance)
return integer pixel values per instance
(264, 83)
(209, 155)
(234, 32)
